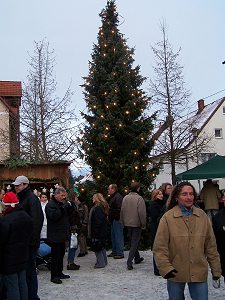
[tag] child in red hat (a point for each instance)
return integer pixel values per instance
(9, 200)
(15, 232)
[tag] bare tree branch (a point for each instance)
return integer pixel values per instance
(48, 123)
(169, 93)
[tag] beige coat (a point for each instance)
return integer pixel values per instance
(187, 245)
(210, 195)
(133, 211)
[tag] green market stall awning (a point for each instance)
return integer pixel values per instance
(213, 168)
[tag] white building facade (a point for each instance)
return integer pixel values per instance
(209, 121)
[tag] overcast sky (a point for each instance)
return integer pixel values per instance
(71, 27)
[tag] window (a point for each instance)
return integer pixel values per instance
(218, 133)
(224, 110)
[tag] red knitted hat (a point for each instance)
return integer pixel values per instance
(10, 199)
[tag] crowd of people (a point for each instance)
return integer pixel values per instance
(187, 233)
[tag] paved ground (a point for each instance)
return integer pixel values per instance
(113, 282)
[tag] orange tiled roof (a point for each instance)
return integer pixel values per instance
(10, 88)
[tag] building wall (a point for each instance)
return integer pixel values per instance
(216, 145)
(4, 132)
(217, 121)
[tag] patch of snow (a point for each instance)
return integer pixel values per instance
(114, 282)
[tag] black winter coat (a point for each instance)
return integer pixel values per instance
(98, 224)
(218, 222)
(58, 226)
(15, 233)
(74, 218)
(115, 203)
(155, 212)
(31, 204)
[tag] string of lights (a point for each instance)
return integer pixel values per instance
(115, 140)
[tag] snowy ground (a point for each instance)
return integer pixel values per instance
(113, 282)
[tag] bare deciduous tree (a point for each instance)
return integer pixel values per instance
(169, 93)
(47, 122)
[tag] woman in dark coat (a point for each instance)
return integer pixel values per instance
(97, 229)
(218, 222)
(155, 211)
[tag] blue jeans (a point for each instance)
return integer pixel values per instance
(16, 286)
(71, 255)
(117, 237)
(198, 290)
(32, 281)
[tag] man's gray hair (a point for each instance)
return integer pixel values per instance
(114, 186)
(59, 190)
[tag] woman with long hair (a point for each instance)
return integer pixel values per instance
(155, 211)
(166, 189)
(97, 229)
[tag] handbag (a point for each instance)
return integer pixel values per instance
(73, 241)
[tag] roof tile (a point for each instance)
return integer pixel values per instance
(10, 89)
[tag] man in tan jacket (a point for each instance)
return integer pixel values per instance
(184, 246)
(133, 216)
(210, 194)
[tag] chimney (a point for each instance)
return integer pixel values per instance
(201, 106)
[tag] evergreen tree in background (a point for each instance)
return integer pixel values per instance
(116, 138)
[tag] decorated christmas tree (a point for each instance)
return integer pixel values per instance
(116, 138)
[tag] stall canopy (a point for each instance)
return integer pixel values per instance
(213, 168)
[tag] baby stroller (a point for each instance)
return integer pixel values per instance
(43, 257)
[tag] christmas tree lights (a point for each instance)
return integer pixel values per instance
(117, 135)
